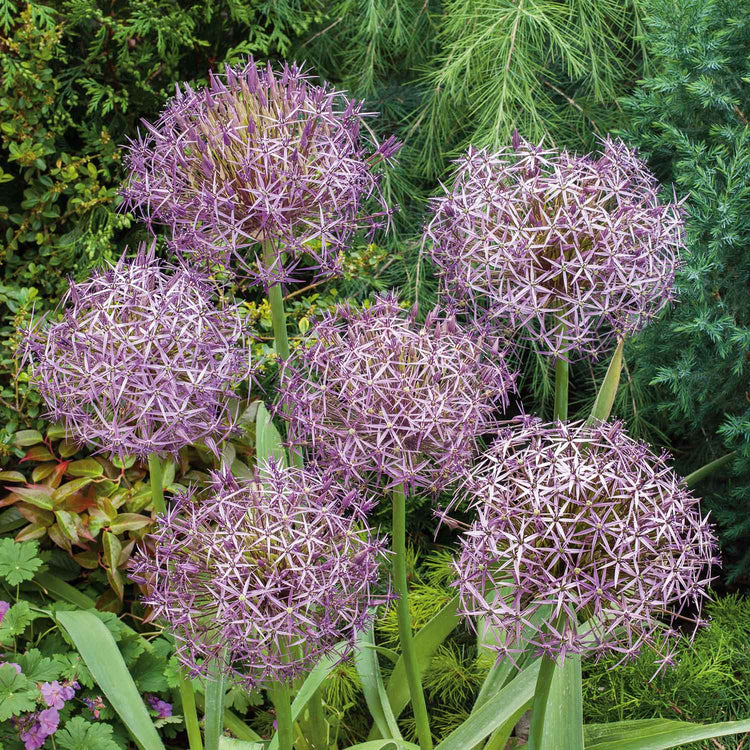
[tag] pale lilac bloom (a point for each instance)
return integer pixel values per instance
(4, 607)
(581, 521)
(377, 395)
(263, 576)
(143, 360)
(566, 252)
(259, 157)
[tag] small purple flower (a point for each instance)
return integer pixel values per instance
(567, 252)
(376, 394)
(55, 694)
(48, 721)
(142, 360)
(162, 708)
(584, 522)
(4, 607)
(264, 576)
(259, 157)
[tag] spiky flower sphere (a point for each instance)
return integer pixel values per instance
(265, 575)
(378, 396)
(142, 360)
(259, 157)
(564, 251)
(585, 522)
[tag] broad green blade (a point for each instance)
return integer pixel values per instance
(606, 396)
(313, 681)
(267, 438)
(99, 652)
(499, 738)
(563, 721)
(656, 734)
(213, 715)
(496, 712)
(384, 745)
(227, 743)
(426, 642)
(368, 669)
(59, 589)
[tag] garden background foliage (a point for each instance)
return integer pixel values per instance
(671, 78)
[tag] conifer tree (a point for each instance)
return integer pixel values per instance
(693, 366)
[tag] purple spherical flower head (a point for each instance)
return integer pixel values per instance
(142, 360)
(582, 521)
(378, 395)
(265, 576)
(259, 156)
(567, 252)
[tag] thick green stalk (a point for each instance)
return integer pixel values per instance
(404, 619)
(284, 725)
(157, 491)
(276, 301)
(190, 714)
(561, 389)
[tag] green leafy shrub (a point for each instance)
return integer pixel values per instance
(75, 80)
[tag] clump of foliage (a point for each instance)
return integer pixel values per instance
(691, 119)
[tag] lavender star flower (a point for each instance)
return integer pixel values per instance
(142, 360)
(259, 157)
(375, 394)
(264, 576)
(565, 251)
(586, 522)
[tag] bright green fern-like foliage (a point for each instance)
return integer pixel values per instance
(691, 370)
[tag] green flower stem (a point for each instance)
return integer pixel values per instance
(281, 341)
(561, 389)
(157, 491)
(155, 472)
(404, 619)
(189, 713)
(283, 706)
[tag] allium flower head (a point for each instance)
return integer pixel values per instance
(376, 394)
(586, 522)
(259, 156)
(566, 251)
(273, 570)
(142, 360)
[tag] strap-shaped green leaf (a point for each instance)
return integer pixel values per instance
(384, 745)
(426, 642)
(563, 720)
(656, 734)
(99, 652)
(268, 440)
(313, 681)
(368, 668)
(227, 743)
(606, 396)
(495, 712)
